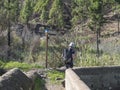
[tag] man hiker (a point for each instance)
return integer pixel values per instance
(69, 55)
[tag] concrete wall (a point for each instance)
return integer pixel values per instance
(73, 82)
(100, 78)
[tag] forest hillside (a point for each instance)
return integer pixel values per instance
(93, 25)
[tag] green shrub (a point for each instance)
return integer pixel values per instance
(39, 84)
(2, 64)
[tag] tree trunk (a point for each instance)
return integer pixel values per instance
(118, 24)
(9, 40)
(8, 35)
(98, 41)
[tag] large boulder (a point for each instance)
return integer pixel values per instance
(33, 75)
(15, 79)
(36, 75)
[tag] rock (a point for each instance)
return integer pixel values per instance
(2, 71)
(34, 75)
(15, 79)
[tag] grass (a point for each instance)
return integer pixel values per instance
(109, 54)
(104, 60)
(53, 75)
(15, 64)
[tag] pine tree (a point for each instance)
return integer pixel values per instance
(25, 16)
(8, 9)
(117, 11)
(96, 16)
(79, 11)
(56, 17)
(3, 17)
(26, 11)
(42, 8)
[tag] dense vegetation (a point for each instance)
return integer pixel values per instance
(85, 22)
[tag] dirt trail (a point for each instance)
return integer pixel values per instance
(54, 87)
(51, 86)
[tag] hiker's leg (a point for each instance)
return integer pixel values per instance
(68, 65)
(71, 64)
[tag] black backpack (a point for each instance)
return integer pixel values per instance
(66, 53)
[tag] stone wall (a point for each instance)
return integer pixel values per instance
(100, 78)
